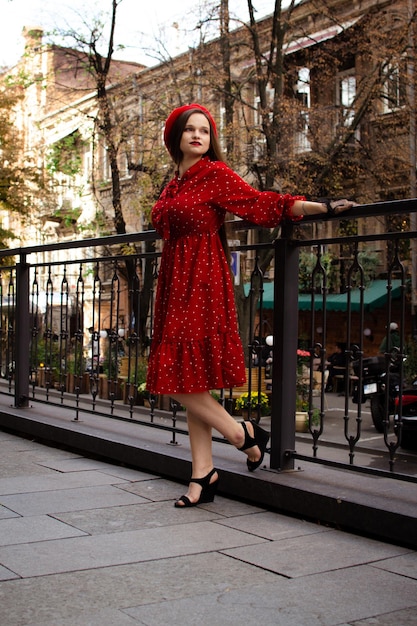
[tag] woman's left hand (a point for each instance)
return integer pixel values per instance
(339, 206)
(327, 207)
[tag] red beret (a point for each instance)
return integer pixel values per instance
(177, 112)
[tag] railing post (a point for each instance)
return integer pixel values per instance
(22, 334)
(284, 370)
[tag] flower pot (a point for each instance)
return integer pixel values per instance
(103, 389)
(301, 421)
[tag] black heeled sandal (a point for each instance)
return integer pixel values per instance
(208, 491)
(260, 439)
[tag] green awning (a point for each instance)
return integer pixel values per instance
(374, 297)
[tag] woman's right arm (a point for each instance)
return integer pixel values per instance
(266, 208)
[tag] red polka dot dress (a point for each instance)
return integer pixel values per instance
(196, 344)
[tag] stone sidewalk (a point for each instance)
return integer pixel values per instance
(89, 543)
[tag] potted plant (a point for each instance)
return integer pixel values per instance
(76, 375)
(302, 418)
(143, 394)
(141, 373)
(302, 381)
(301, 409)
(109, 385)
(45, 362)
(252, 400)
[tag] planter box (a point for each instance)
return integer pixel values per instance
(73, 380)
(130, 389)
(105, 388)
(164, 403)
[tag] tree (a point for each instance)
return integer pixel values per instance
(93, 55)
(303, 134)
(20, 181)
(228, 96)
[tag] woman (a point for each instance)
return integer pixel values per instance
(196, 345)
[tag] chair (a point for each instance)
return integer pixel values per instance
(340, 379)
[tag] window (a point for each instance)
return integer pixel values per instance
(65, 155)
(127, 156)
(347, 94)
(302, 93)
(87, 161)
(106, 169)
(394, 86)
(346, 99)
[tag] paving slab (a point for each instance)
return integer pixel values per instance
(162, 513)
(406, 565)
(65, 499)
(23, 444)
(111, 617)
(316, 553)
(78, 464)
(407, 617)
(272, 525)
(229, 508)
(39, 482)
(14, 464)
(18, 456)
(134, 517)
(64, 555)
(75, 464)
(6, 574)
(6, 513)
(36, 528)
(156, 490)
(329, 600)
(57, 597)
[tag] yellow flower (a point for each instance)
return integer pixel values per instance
(244, 401)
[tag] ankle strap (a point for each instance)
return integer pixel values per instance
(249, 441)
(203, 481)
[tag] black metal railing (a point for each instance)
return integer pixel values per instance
(76, 333)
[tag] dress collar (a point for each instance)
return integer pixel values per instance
(172, 188)
(194, 168)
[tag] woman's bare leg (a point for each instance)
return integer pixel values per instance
(201, 445)
(203, 407)
(201, 454)
(204, 414)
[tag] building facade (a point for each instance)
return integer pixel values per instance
(320, 102)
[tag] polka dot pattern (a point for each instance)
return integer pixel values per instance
(196, 344)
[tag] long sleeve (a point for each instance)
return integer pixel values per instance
(233, 194)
